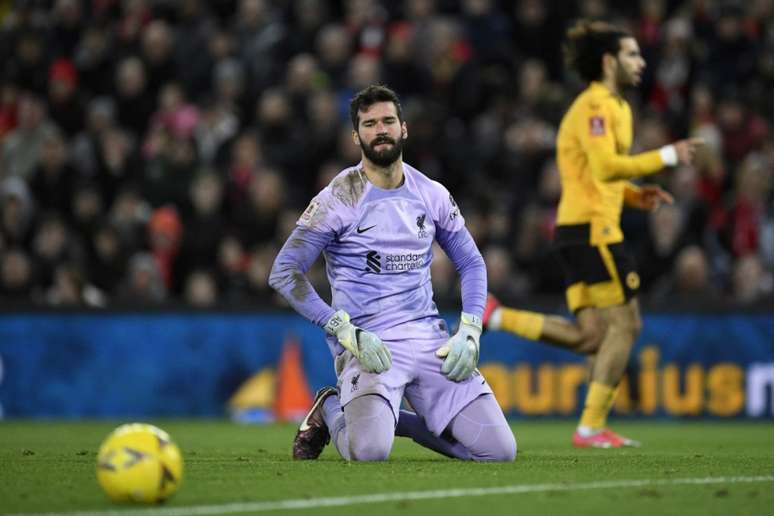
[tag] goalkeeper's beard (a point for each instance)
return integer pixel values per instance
(386, 157)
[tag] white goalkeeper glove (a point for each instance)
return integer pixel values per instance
(367, 347)
(461, 351)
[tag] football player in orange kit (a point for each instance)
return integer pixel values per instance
(596, 170)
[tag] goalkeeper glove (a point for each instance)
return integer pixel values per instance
(367, 347)
(461, 351)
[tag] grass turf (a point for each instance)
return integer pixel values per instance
(50, 466)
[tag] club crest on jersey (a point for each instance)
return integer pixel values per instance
(309, 212)
(421, 226)
(455, 211)
(597, 126)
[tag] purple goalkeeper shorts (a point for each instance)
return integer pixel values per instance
(415, 373)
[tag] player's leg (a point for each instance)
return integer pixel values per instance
(581, 265)
(313, 432)
(584, 335)
(483, 430)
(412, 426)
(624, 324)
(479, 432)
(363, 427)
(618, 307)
(359, 415)
(364, 430)
(458, 419)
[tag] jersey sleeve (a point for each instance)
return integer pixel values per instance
(324, 214)
(597, 133)
(446, 212)
(458, 244)
(464, 254)
(317, 226)
(288, 274)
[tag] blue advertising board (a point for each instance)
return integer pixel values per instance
(133, 365)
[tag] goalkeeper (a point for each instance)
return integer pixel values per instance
(375, 224)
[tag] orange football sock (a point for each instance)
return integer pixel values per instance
(524, 324)
(599, 400)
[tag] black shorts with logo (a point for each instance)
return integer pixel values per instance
(595, 275)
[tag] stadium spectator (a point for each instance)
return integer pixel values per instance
(157, 55)
(134, 100)
(202, 222)
(257, 219)
(230, 269)
(87, 209)
(106, 260)
(69, 288)
(17, 215)
(93, 59)
(9, 95)
(751, 282)
(52, 245)
(200, 289)
(21, 147)
(53, 179)
(689, 281)
(100, 117)
(257, 272)
(144, 283)
(17, 282)
(65, 106)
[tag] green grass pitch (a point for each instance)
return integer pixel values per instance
(49, 467)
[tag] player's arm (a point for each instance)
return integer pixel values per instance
(288, 274)
(645, 197)
(461, 351)
(288, 277)
(461, 249)
(598, 139)
(599, 142)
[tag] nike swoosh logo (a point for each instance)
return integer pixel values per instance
(363, 230)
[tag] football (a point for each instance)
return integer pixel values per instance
(139, 463)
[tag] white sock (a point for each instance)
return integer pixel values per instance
(587, 431)
(495, 320)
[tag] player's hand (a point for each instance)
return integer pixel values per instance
(369, 349)
(461, 351)
(686, 149)
(651, 197)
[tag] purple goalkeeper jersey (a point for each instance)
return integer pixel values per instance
(377, 246)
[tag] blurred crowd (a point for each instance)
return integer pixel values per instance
(159, 151)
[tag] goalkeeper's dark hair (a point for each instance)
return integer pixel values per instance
(369, 96)
(587, 41)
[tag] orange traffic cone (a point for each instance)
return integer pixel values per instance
(293, 399)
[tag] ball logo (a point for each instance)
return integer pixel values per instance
(633, 281)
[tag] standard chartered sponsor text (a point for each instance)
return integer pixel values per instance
(403, 262)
